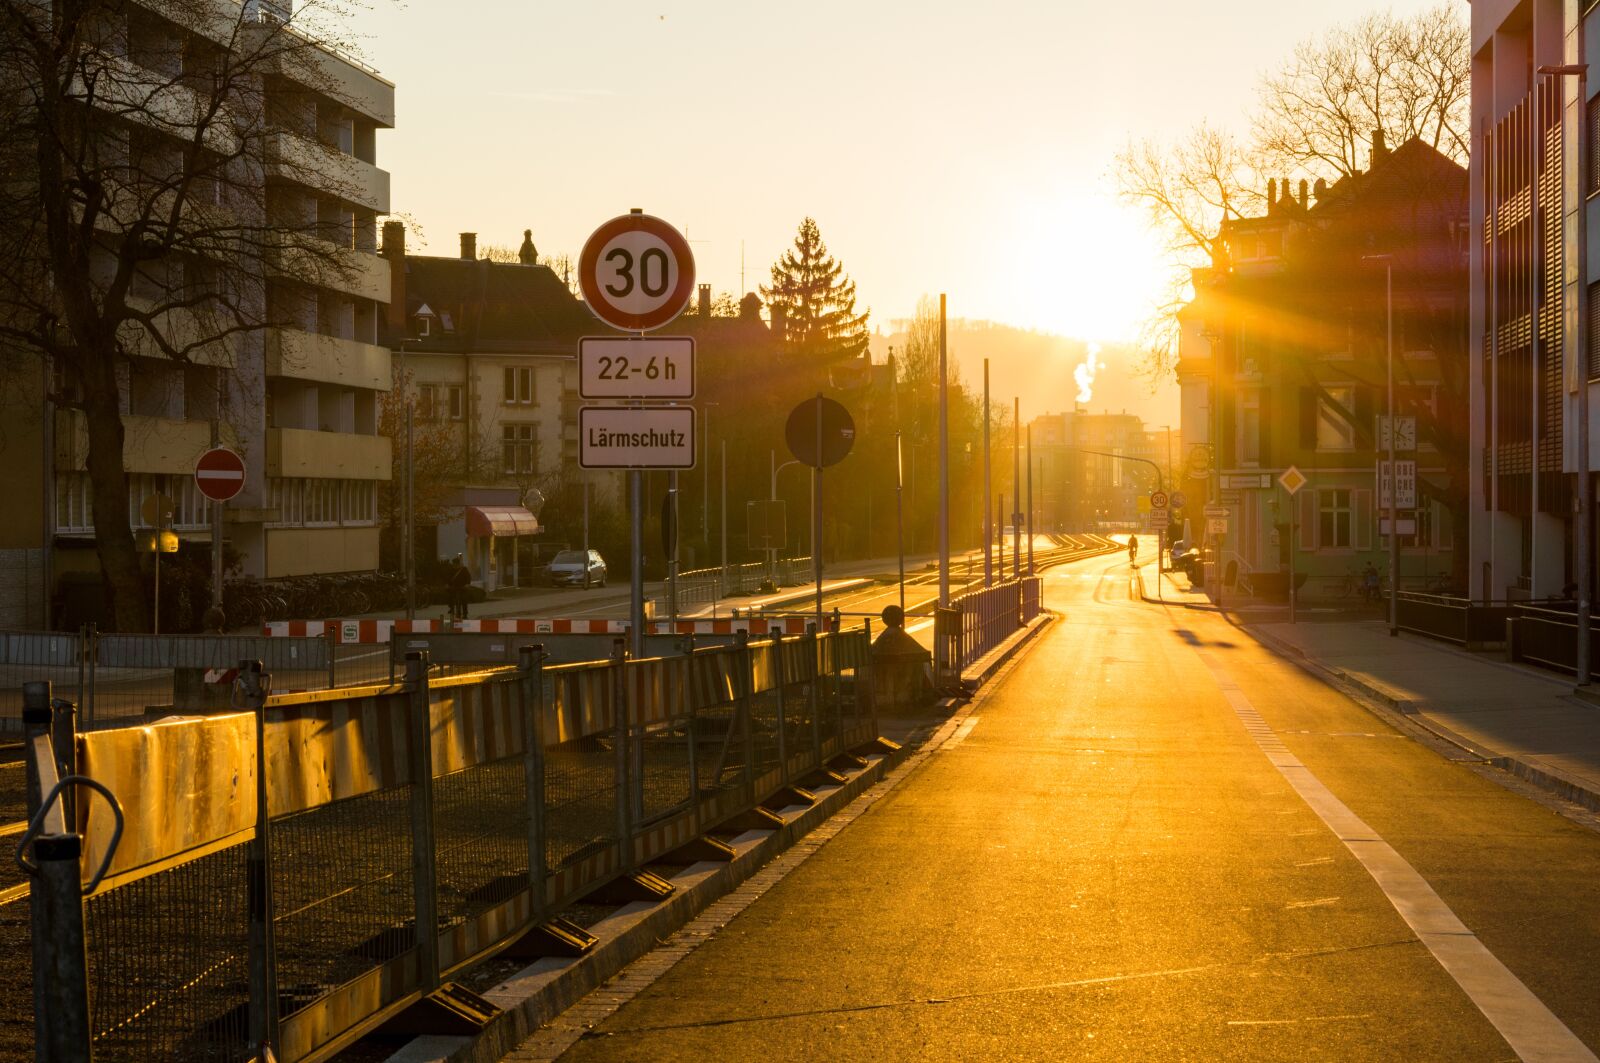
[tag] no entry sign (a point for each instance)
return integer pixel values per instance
(636, 272)
(219, 474)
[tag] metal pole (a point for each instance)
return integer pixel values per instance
(944, 461)
(1030, 500)
(636, 578)
(672, 552)
(1294, 595)
(263, 1014)
(1585, 546)
(816, 515)
(216, 532)
(988, 529)
(424, 880)
(900, 515)
(1394, 469)
(1016, 487)
(411, 519)
(60, 959)
(723, 511)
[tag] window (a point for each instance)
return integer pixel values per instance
(284, 495)
(456, 402)
(1249, 426)
(321, 502)
(74, 508)
(427, 402)
(1333, 518)
(519, 448)
(359, 502)
(1334, 410)
(519, 385)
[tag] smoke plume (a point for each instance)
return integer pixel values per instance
(1085, 371)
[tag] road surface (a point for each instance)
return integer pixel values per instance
(1151, 838)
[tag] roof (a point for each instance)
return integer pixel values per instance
(484, 306)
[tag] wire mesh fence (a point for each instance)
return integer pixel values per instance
(401, 825)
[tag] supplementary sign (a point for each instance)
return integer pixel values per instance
(621, 367)
(636, 437)
(1408, 525)
(1216, 511)
(636, 272)
(1406, 496)
(1216, 525)
(1159, 518)
(219, 474)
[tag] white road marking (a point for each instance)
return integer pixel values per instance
(1320, 902)
(961, 733)
(1529, 1027)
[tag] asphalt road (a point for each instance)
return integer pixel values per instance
(1157, 841)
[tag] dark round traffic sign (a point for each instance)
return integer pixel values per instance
(636, 272)
(820, 432)
(219, 474)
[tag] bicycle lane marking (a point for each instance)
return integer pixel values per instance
(1529, 1027)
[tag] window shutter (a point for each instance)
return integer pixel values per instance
(1307, 501)
(1308, 418)
(1361, 519)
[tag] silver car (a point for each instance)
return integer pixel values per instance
(576, 568)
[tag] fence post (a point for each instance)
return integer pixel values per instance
(783, 715)
(80, 645)
(330, 632)
(623, 788)
(815, 687)
(64, 740)
(691, 734)
(36, 715)
(253, 686)
(423, 872)
(60, 961)
(742, 711)
(531, 661)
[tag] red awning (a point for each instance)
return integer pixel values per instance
(484, 522)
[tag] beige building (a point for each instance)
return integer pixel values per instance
(298, 400)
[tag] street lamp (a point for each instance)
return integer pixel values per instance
(1582, 547)
(1394, 470)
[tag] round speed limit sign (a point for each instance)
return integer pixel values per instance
(636, 272)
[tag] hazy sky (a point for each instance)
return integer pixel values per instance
(957, 147)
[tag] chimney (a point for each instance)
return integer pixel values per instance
(1380, 150)
(394, 249)
(705, 302)
(469, 245)
(1321, 189)
(1272, 195)
(1305, 194)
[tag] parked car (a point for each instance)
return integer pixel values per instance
(576, 568)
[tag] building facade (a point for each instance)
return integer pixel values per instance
(1285, 355)
(293, 385)
(1093, 471)
(1529, 178)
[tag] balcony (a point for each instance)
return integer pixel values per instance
(184, 329)
(150, 444)
(359, 273)
(319, 359)
(334, 455)
(313, 165)
(339, 78)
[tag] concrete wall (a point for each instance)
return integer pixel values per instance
(304, 551)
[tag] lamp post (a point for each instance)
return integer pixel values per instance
(1394, 470)
(1583, 549)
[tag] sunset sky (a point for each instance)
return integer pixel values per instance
(957, 147)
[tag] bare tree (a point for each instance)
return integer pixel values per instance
(1187, 190)
(136, 232)
(1409, 77)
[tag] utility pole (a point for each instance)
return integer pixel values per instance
(1030, 500)
(1394, 469)
(1016, 487)
(988, 530)
(944, 462)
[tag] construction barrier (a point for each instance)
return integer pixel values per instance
(351, 632)
(397, 834)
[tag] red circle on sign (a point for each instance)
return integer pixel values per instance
(219, 474)
(604, 297)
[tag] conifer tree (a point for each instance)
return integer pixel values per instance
(813, 301)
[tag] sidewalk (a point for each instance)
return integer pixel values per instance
(1523, 720)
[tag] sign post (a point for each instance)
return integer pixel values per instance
(820, 432)
(637, 273)
(219, 475)
(1292, 480)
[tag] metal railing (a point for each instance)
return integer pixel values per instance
(1548, 636)
(978, 621)
(703, 586)
(329, 859)
(120, 679)
(1458, 620)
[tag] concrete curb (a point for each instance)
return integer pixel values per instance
(1549, 779)
(546, 988)
(986, 666)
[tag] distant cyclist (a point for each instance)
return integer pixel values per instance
(1133, 549)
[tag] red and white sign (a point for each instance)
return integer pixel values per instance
(219, 474)
(636, 272)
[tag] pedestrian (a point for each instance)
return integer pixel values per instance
(1369, 582)
(835, 619)
(460, 580)
(1133, 549)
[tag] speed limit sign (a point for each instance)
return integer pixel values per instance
(636, 272)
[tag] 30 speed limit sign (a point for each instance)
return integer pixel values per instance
(636, 272)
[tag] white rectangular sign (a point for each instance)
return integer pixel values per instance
(1216, 511)
(636, 437)
(1408, 525)
(1216, 525)
(1406, 498)
(637, 367)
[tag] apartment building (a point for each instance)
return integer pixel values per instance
(290, 376)
(1091, 470)
(1529, 178)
